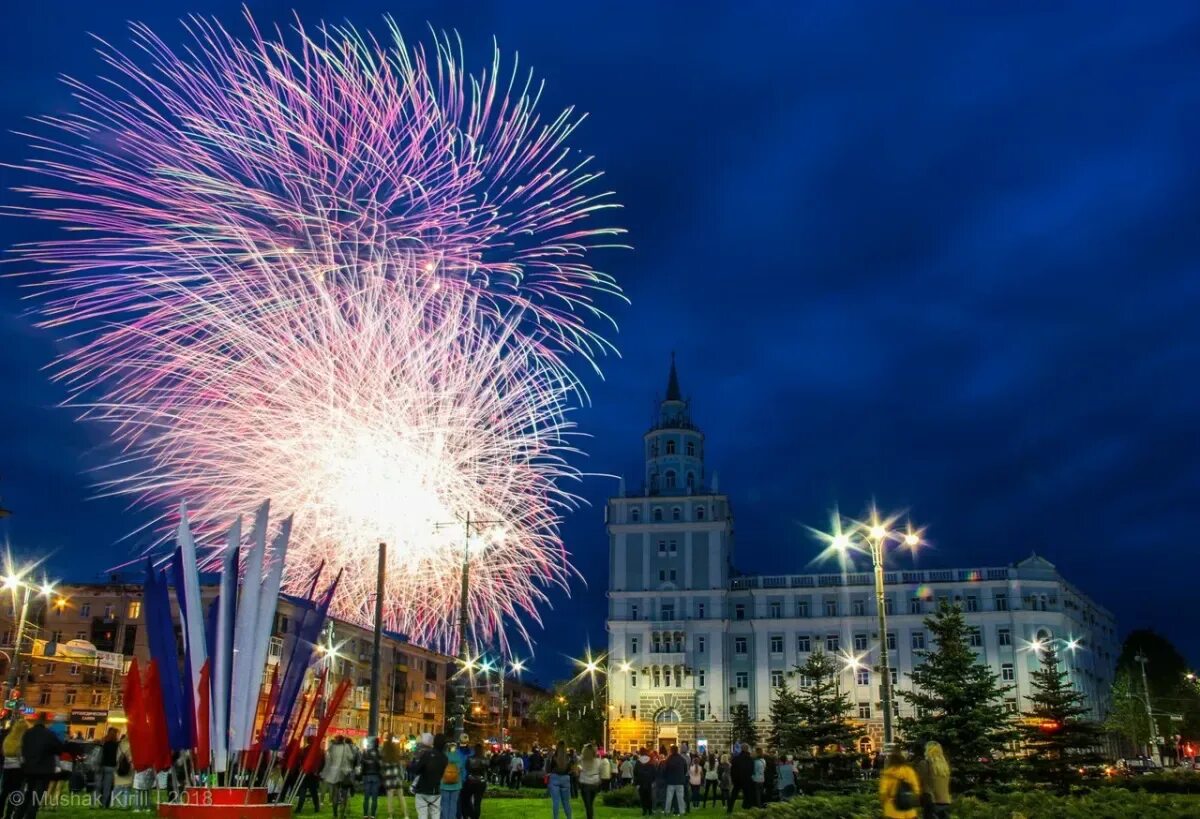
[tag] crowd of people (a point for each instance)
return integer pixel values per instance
(448, 779)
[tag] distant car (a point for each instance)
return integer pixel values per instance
(1137, 765)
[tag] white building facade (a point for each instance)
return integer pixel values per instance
(690, 639)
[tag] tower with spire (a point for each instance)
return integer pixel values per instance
(674, 446)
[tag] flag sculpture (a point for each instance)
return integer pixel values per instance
(210, 715)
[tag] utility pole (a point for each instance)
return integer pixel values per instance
(1150, 743)
(377, 647)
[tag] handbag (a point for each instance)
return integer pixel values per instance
(905, 798)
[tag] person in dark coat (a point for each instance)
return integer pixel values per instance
(40, 749)
(741, 772)
(644, 773)
(675, 774)
(428, 769)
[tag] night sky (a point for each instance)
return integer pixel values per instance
(948, 260)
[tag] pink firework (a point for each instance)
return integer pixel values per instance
(345, 276)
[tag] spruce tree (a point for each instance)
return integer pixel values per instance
(743, 728)
(1058, 736)
(784, 707)
(824, 728)
(1127, 715)
(958, 700)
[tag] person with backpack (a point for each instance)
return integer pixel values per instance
(899, 788)
(429, 767)
(370, 770)
(558, 767)
(123, 775)
(476, 784)
(452, 778)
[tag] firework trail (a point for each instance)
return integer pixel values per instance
(342, 274)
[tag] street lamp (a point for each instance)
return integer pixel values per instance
(872, 536)
(516, 666)
(471, 540)
(14, 583)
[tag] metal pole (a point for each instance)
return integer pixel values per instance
(13, 667)
(885, 683)
(460, 711)
(1141, 658)
(500, 733)
(377, 647)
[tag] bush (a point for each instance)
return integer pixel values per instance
(861, 806)
(496, 792)
(620, 798)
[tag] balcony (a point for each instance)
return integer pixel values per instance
(664, 658)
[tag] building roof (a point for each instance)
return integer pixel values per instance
(673, 391)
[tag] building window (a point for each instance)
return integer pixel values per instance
(776, 643)
(918, 639)
(891, 641)
(914, 606)
(895, 675)
(43, 698)
(863, 676)
(673, 545)
(48, 670)
(1004, 637)
(739, 645)
(635, 514)
(668, 611)
(803, 644)
(633, 615)
(673, 578)
(662, 575)
(633, 678)
(700, 611)
(699, 513)
(739, 612)
(858, 608)
(703, 712)
(700, 641)
(864, 710)
(887, 605)
(972, 602)
(741, 679)
(701, 678)
(691, 449)
(1001, 601)
(802, 608)
(85, 610)
(135, 609)
(975, 638)
(1010, 705)
(777, 679)
(831, 642)
(776, 609)
(70, 698)
(831, 608)
(662, 548)
(633, 712)
(658, 514)
(676, 513)
(860, 642)
(110, 611)
(669, 479)
(1007, 674)
(691, 481)
(97, 698)
(805, 681)
(73, 671)
(670, 447)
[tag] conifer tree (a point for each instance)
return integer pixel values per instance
(959, 702)
(824, 727)
(1058, 735)
(743, 728)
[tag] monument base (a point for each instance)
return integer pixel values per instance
(224, 803)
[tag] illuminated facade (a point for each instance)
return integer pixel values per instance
(690, 639)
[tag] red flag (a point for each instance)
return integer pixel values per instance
(156, 719)
(203, 724)
(313, 758)
(140, 746)
(291, 756)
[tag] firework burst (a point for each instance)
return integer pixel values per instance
(341, 274)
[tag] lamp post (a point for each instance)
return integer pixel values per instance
(516, 666)
(875, 533)
(14, 582)
(461, 685)
(1151, 742)
(377, 648)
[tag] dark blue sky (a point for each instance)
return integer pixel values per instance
(948, 259)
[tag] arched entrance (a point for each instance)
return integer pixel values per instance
(666, 726)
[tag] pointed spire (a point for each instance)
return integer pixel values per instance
(673, 391)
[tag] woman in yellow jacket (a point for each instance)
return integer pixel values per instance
(899, 788)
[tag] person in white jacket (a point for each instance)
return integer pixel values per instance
(338, 773)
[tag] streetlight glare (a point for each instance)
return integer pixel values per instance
(626, 667)
(48, 589)
(11, 581)
(841, 542)
(911, 540)
(878, 532)
(518, 666)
